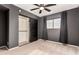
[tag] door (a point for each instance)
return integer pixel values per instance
(33, 30)
(3, 28)
(23, 30)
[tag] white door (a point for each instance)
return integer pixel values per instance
(23, 30)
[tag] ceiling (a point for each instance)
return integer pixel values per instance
(54, 9)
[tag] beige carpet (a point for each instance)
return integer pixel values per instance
(42, 47)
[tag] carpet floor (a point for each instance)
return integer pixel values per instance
(41, 47)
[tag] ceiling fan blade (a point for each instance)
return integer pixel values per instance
(41, 5)
(34, 9)
(36, 5)
(49, 5)
(47, 9)
(40, 11)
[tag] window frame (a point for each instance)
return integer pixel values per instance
(53, 23)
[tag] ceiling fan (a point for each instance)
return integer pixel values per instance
(42, 7)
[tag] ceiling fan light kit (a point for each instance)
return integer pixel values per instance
(42, 7)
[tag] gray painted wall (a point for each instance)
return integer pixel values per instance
(13, 23)
(72, 25)
(40, 28)
(54, 34)
(13, 26)
(26, 13)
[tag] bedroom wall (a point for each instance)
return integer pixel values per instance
(72, 27)
(40, 28)
(13, 23)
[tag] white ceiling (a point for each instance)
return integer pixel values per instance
(54, 9)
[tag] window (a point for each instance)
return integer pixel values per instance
(54, 23)
(50, 24)
(57, 23)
